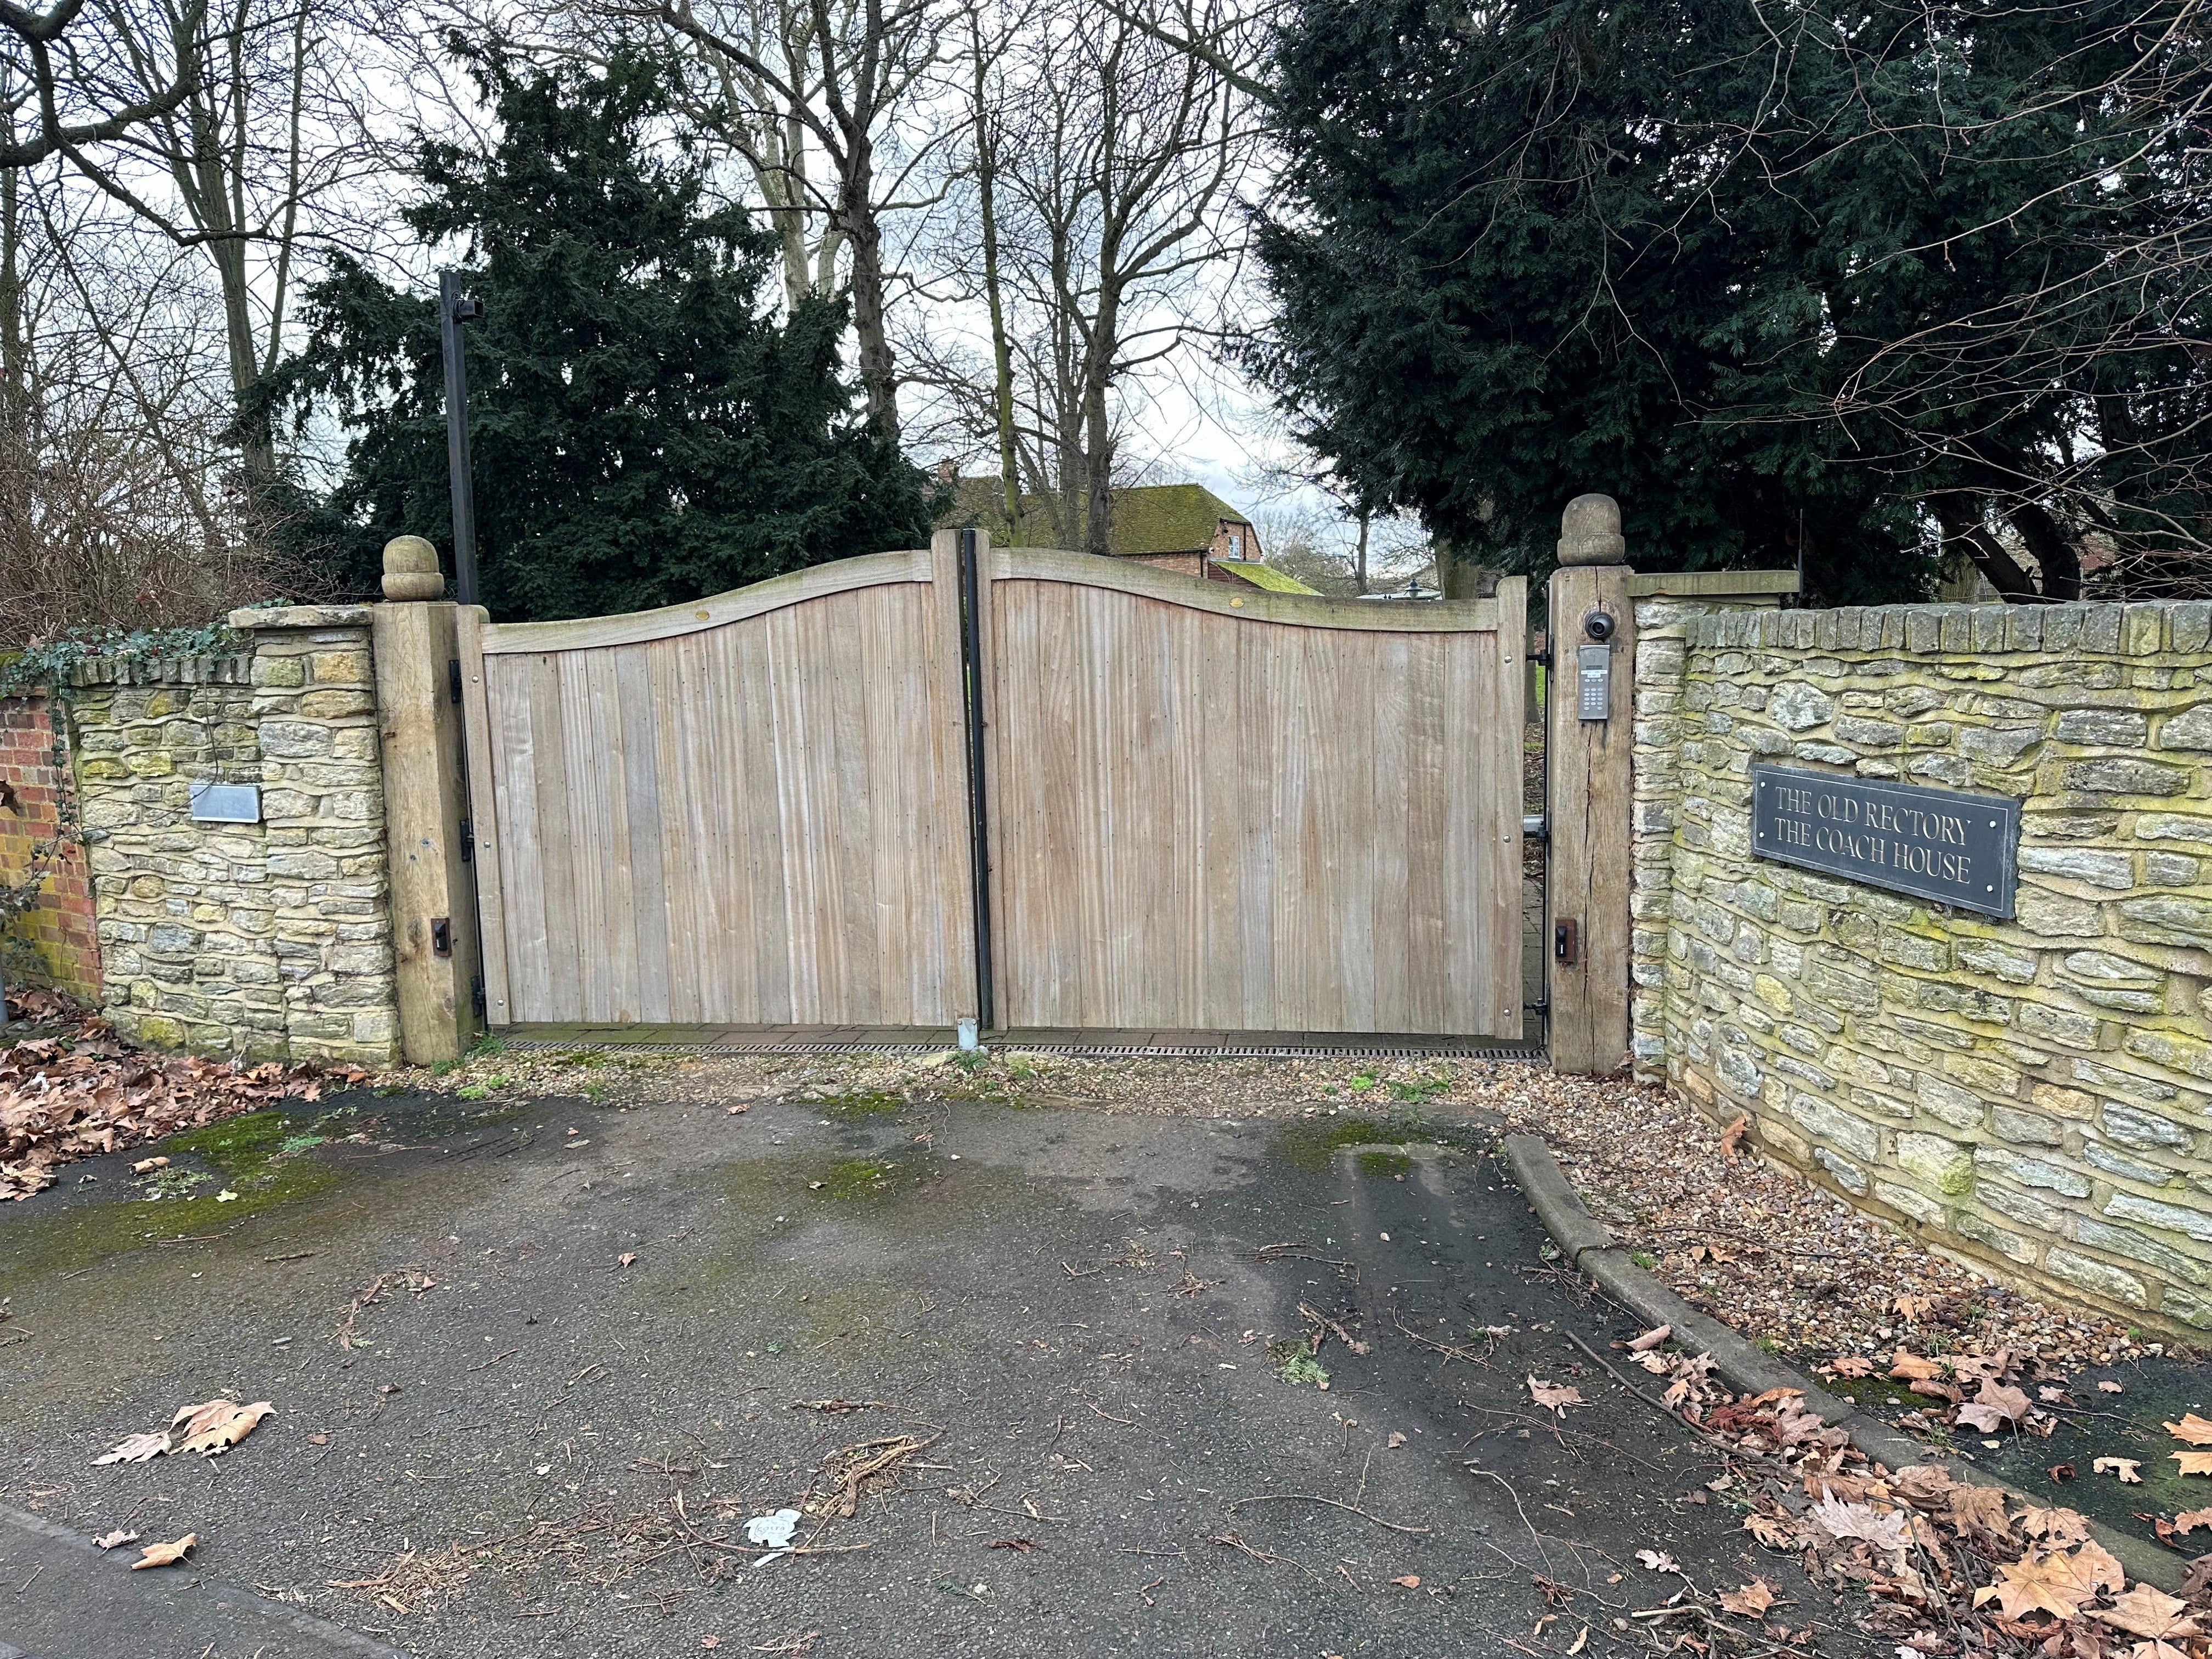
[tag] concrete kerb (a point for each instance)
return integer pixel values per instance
(137, 1602)
(1585, 1242)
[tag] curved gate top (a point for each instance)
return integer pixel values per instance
(1204, 806)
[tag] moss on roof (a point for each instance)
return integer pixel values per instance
(1266, 576)
(1147, 517)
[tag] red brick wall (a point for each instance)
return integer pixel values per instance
(58, 942)
(1183, 563)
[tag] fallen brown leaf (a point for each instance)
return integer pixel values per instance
(2194, 1462)
(2149, 1613)
(2193, 1429)
(223, 1431)
(1995, 1407)
(1557, 1395)
(117, 1539)
(165, 1555)
(2189, 1520)
(2047, 1583)
(2126, 1467)
(1733, 1134)
(136, 1449)
(1751, 1601)
(1409, 1581)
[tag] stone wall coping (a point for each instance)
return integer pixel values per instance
(164, 670)
(273, 619)
(2155, 628)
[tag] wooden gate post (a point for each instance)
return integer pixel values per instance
(1590, 711)
(433, 907)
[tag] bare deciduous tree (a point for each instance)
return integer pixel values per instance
(1103, 165)
(842, 75)
(83, 88)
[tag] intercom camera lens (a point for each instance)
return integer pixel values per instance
(1598, 625)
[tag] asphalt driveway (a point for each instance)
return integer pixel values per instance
(1077, 1343)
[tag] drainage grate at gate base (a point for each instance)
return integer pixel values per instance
(1077, 1050)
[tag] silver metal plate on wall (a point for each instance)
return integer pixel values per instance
(226, 803)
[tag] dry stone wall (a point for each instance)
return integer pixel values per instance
(271, 939)
(2036, 1093)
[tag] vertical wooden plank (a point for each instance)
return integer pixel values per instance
(1426, 834)
(1469, 712)
(1223, 836)
(638, 713)
(558, 900)
(1388, 706)
(684, 753)
(597, 812)
(1260, 714)
(855, 745)
(1502, 801)
(484, 811)
(1349, 713)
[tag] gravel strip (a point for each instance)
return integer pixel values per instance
(1782, 1260)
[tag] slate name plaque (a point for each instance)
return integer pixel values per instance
(1941, 844)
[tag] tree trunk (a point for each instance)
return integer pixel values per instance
(1359, 556)
(1962, 522)
(878, 371)
(1459, 575)
(2060, 563)
(1002, 357)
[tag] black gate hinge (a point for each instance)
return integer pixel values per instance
(453, 678)
(477, 993)
(468, 841)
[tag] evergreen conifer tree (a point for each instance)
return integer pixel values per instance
(644, 431)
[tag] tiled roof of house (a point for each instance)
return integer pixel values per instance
(1263, 575)
(1147, 517)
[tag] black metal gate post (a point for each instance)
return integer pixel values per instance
(971, 680)
(453, 312)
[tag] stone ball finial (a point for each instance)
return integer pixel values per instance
(410, 569)
(1589, 532)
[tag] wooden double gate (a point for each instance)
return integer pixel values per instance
(1202, 808)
